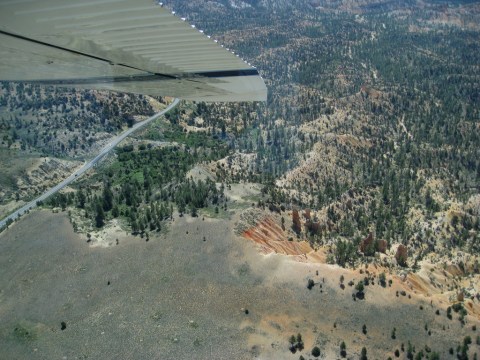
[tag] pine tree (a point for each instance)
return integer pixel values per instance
(107, 198)
(363, 354)
(343, 349)
(100, 216)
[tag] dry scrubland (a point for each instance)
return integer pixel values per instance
(31, 176)
(183, 294)
(380, 130)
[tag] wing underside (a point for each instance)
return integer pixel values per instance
(132, 46)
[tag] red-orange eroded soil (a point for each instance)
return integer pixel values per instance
(272, 239)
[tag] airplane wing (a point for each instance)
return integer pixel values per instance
(135, 46)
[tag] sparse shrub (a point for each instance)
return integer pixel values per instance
(343, 349)
(23, 334)
(360, 290)
(296, 343)
(419, 355)
(449, 312)
(364, 329)
(299, 344)
(363, 354)
(382, 278)
(410, 351)
(310, 284)
(457, 307)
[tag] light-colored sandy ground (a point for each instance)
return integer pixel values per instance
(199, 172)
(437, 283)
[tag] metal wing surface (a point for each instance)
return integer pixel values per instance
(135, 46)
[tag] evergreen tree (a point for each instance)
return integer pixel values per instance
(99, 216)
(107, 198)
(363, 354)
(343, 349)
(81, 199)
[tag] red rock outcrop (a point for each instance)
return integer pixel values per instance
(401, 255)
(367, 244)
(382, 246)
(272, 239)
